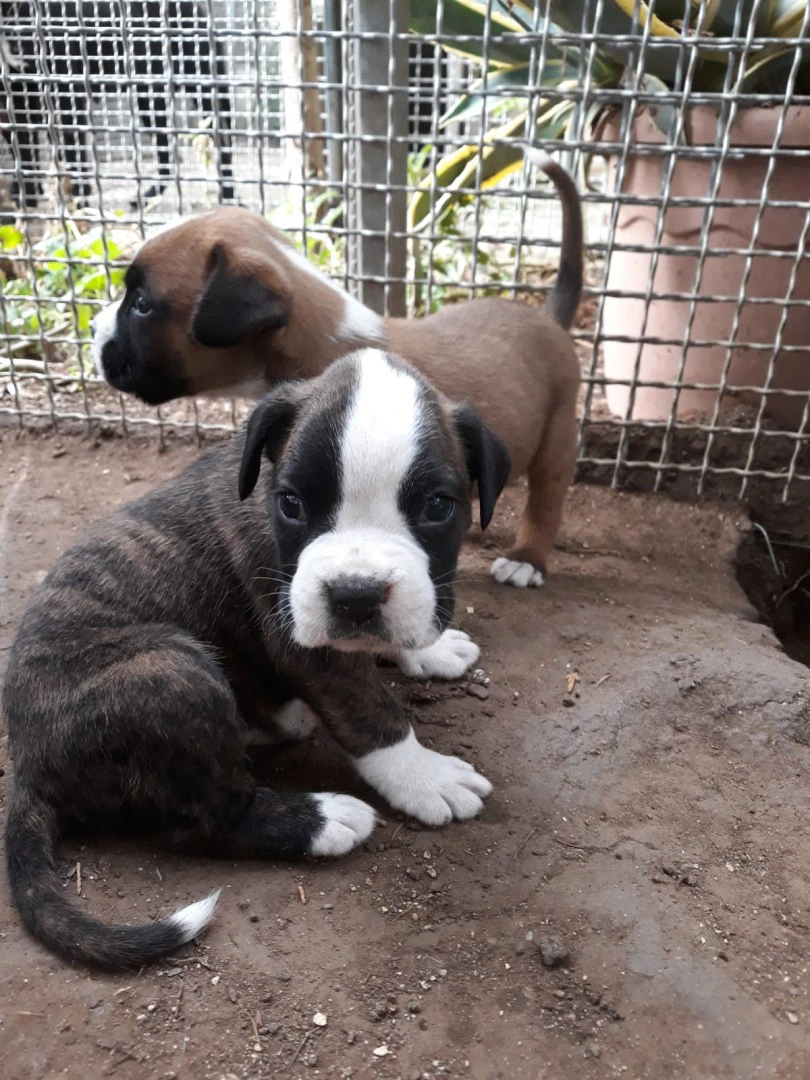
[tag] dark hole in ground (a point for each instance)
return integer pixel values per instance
(776, 578)
(773, 566)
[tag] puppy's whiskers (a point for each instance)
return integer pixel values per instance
(280, 618)
(277, 576)
(445, 578)
(278, 570)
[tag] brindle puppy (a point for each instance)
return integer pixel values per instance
(189, 615)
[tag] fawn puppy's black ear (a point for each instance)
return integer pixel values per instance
(238, 301)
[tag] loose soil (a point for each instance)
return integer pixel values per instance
(634, 901)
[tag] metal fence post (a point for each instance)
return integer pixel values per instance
(333, 64)
(381, 158)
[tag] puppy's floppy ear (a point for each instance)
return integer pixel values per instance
(268, 427)
(487, 458)
(236, 303)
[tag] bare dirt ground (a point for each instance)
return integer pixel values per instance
(634, 902)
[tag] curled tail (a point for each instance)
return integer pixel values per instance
(564, 299)
(31, 832)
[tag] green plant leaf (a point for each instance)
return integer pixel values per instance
(448, 170)
(100, 250)
(769, 70)
(457, 174)
(787, 18)
(463, 20)
(10, 237)
(475, 101)
(498, 12)
(618, 21)
(19, 287)
(665, 115)
(54, 267)
(84, 318)
(93, 284)
(561, 66)
(510, 9)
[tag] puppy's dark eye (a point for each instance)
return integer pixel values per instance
(290, 506)
(438, 508)
(141, 304)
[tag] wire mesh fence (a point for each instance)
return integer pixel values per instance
(385, 136)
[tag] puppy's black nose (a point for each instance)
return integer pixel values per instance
(357, 600)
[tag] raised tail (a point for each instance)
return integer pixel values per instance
(564, 299)
(31, 832)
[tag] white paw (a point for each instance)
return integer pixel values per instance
(296, 720)
(447, 658)
(520, 574)
(431, 787)
(349, 822)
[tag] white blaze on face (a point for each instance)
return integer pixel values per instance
(379, 444)
(104, 325)
(370, 537)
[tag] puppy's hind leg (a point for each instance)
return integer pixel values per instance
(263, 824)
(180, 763)
(153, 738)
(549, 474)
(211, 804)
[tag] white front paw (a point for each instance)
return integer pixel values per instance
(520, 574)
(347, 823)
(447, 658)
(431, 787)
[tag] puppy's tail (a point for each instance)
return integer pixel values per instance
(31, 832)
(564, 300)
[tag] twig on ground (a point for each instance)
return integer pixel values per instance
(525, 842)
(190, 960)
(301, 1046)
(580, 847)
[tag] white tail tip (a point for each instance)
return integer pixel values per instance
(194, 918)
(538, 157)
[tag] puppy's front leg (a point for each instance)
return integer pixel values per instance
(375, 730)
(447, 658)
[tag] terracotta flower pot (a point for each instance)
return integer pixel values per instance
(732, 227)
